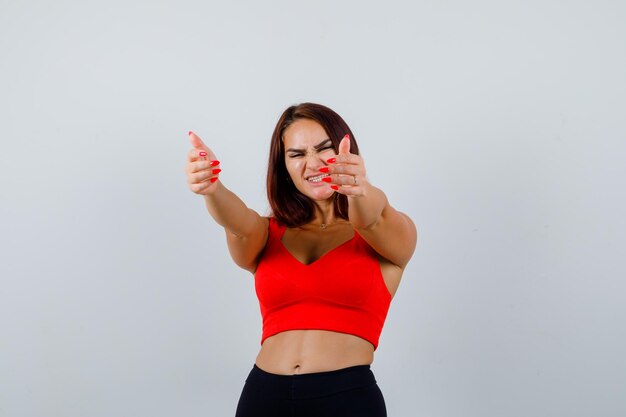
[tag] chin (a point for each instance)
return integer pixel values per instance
(319, 194)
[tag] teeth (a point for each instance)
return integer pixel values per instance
(317, 178)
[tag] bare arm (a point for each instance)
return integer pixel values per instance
(391, 233)
(246, 231)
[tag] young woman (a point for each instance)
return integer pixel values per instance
(326, 264)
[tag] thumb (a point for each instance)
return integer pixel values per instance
(344, 145)
(196, 142)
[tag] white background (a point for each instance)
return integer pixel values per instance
(498, 126)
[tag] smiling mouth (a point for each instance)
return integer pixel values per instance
(317, 178)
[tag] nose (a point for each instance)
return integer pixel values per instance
(314, 160)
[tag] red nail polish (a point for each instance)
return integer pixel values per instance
(332, 160)
(215, 163)
(202, 153)
(324, 169)
(216, 171)
(213, 179)
(334, 187)
(327, 179)
(347, 136)
(190, 132)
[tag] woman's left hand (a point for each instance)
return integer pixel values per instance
(347, 171)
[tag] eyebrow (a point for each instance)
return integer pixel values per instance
(317, 147)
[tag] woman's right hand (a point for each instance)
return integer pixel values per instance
(202, 167)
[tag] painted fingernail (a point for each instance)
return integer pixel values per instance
(324, 169)
(327, 179)
(213, 179)
(331, 160)
(190, 132)
(347, 136)
(202, 153)
(334, 187)
(215, 163)
(216, 171)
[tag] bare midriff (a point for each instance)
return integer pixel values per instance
(306, 351)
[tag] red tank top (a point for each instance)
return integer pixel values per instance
(343, 291)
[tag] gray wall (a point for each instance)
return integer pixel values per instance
(499, 127)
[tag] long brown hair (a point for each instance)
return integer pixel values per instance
(289, 206)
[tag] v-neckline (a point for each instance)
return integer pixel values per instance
(292, 256)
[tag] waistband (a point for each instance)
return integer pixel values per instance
(311, 385)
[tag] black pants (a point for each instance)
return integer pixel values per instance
(342, 393)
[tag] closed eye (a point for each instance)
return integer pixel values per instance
(322, 146)
(298, 155)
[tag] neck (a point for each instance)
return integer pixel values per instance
(323, 226)
(325, 215)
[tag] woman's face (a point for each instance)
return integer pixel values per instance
(307, 147)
